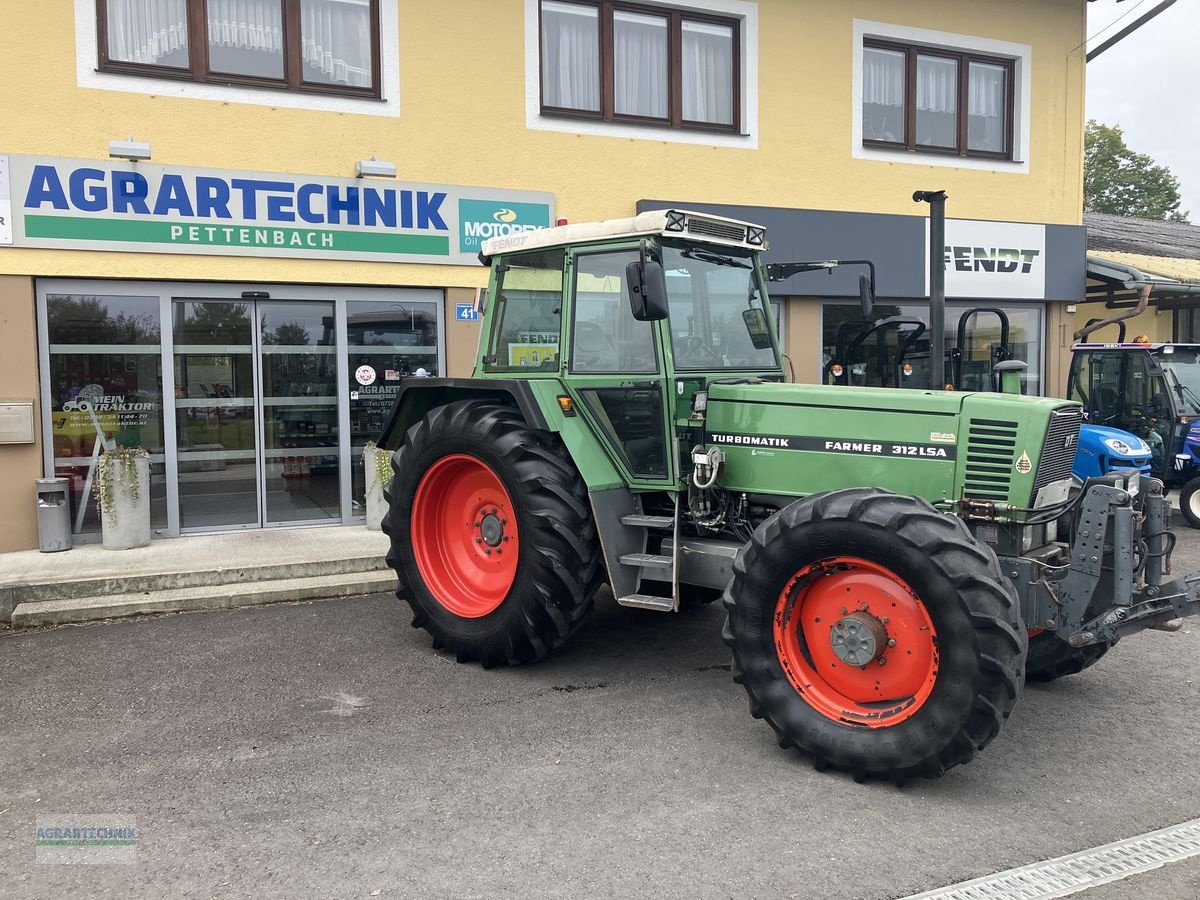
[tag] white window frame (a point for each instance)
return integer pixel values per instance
(746, 12)
(1020, 54)
(88, 76)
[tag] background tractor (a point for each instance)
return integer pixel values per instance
(882, 555)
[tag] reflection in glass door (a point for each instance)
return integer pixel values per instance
(299, 411)
(256, 412)
(215, 413)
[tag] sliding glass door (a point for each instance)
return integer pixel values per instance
(255, 412)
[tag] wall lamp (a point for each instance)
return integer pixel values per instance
(374, 168)
(129, 149)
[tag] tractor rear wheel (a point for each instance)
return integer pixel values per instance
(1050, 657)
(875, 634)
(492, 537)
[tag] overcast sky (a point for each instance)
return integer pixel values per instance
(1149, 84)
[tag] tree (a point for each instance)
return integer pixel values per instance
(1118, 181)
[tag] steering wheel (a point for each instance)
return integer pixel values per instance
(700, 349)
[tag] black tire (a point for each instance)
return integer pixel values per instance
(1189, 502)
(1050, 657)
(558, 564)
(980, 640)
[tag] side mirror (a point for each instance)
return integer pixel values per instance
(866, 296)
(757, 327)
(647, 290)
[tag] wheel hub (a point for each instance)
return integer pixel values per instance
(491, 529)
(858, 639)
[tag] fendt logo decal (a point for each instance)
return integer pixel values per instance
(836, 445)
(1001, 260)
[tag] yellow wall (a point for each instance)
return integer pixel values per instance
(19, 463)
(463, 122)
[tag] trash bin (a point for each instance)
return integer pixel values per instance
(54, 514)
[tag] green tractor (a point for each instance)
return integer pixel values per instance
(883, 555)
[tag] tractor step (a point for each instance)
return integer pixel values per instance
(648, 601)
(641, 521)
(646, 560)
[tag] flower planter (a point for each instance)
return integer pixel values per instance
(125, 511)
(375, 458)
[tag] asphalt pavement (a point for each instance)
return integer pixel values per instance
(324, 750)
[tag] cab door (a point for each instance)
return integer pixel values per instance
(615, 367)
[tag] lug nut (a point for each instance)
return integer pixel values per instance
(479, 540)
(891, 642)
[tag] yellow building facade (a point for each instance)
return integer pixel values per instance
(233, 357)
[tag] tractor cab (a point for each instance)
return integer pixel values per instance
(1149, 389)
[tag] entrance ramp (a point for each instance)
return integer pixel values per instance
(212, 571)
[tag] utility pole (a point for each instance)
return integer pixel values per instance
(937, 285)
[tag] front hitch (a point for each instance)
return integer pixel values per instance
(1120, 554)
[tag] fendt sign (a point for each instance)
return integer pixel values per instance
(993, 260)
(107, 205)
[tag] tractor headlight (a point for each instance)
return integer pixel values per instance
(1132, 447)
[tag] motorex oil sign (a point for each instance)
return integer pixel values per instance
(482, 219)
(115, 205)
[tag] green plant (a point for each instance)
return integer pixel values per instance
(124, 461)
(383, 462)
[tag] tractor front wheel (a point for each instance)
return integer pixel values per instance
(875, 634)
(1189, 502)
(492, 537)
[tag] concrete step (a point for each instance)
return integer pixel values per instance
(208, 596)
(209, 576)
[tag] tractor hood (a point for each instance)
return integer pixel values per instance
(791, 439)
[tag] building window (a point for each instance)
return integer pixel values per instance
(936, 101)
(653, 65)
(322, 46)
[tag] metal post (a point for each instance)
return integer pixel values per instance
(937, 285)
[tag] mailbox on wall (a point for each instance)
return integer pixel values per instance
(16, 421)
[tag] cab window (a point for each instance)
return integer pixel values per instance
(607, 338)
(528, 314)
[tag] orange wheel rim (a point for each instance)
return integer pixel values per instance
(856, 642)
(464, 535)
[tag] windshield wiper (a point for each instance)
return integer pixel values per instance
(708, 256)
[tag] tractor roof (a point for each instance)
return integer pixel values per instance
(1134, 345)
(670, 222)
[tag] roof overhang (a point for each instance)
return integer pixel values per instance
(1118, 284)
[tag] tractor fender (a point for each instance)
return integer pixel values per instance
(418, 395)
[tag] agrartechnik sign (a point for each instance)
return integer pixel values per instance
(139, 207)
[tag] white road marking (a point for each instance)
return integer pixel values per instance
(1079, 871)
(345, 704)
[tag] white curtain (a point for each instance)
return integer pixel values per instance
(883, 78)
(937, 84)
(640, 65)
(707, 73)
(987, 90)
(986, 96)
(570, 56)
(337, 40)
(144, 31)
(246, 25)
